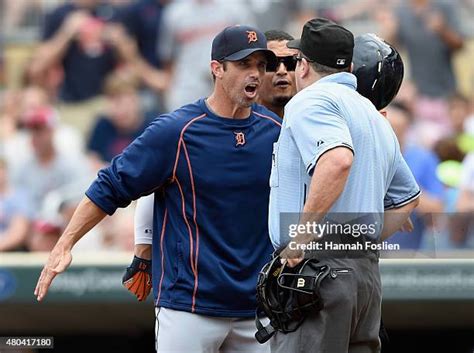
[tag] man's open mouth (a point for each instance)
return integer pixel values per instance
(251, 90)
(283, 83)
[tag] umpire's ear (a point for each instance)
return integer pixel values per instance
(217, 68)
(305, 68)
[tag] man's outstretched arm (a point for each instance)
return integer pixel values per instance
(86, 217)
(136, 172)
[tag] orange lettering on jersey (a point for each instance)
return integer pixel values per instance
(252, 36)
(239, 139)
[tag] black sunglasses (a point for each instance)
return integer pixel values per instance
(288, 61)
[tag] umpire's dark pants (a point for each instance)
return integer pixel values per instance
(350, 319)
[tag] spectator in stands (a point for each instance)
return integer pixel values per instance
(184, 44)
(15, 137)
(407, 95)
(9, 112)
(456, 228)
(340, 11)
(47, 168)
(142, 19)
(466, 200)
(459, 112)
(72, 36)
(83, 38)
(73, 40)
(447, 149)
(14, 141)
(423, 165)
(271, 14)
(452, 227)
(56, 210)
(455, 232)
(15, 213)
(66, 138)
(123, 122)
(429, 30)
(467, 140)
(15, 14)
(2, 59)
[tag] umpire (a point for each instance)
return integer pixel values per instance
(336, 155)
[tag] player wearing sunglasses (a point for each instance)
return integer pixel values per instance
(278, 85)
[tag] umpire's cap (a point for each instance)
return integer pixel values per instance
(379, 69)
(326, 43)
(237, 42)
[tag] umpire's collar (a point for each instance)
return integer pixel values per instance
(343, 78)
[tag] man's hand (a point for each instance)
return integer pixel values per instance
(291, 257)
(74, 22)
(435, 22)
(293, 253)
(116, 36)
(58, 261)
(85, 217)
(294, 262)
(137, 278)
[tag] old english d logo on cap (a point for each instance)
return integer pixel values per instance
(235, 43)
(252, 36)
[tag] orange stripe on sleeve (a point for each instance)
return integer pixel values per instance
(268, 118)
(163, 230)
(175, 178)
(178, 150)
(191, 242)
(195, 224)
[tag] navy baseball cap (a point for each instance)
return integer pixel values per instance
(237, 42)
(326, 43)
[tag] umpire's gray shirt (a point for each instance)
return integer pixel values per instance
(325, 115)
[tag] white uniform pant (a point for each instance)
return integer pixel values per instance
(184, 332)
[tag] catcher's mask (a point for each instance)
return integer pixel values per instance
(285, 295)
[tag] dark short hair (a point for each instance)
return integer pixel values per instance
(274, 34)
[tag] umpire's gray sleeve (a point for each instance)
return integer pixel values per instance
(403, 188)
(318, 127)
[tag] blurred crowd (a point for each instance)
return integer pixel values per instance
(80, 79)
